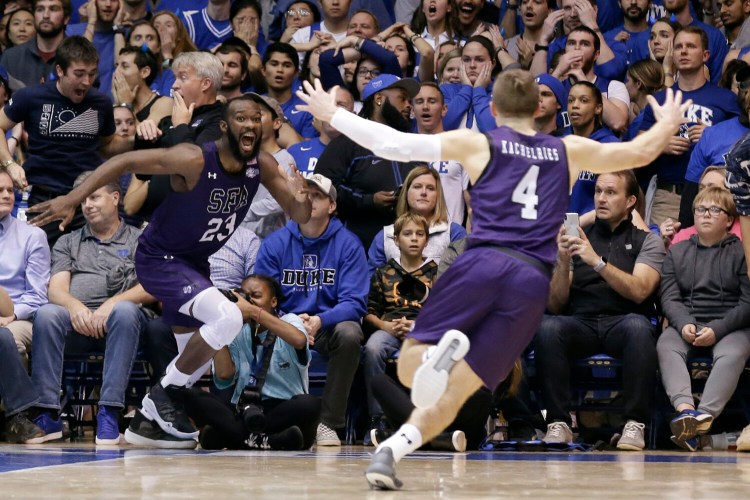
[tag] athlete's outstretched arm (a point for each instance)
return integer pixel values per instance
(289, 190)
(586, 154)
(469, 148)
(185, 160)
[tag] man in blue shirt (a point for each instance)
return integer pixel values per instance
(611, 62)
(717, 43)
(281, 68)
(635, 31)
(306, 153)
(99, 29)
(711, 105)
(24, 270)
(322, 269)
(714, 146)
(209, 26)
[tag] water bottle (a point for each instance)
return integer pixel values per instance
(723, 441)
(23, 206)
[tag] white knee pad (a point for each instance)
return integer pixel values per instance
(222, 320)
(224, 328)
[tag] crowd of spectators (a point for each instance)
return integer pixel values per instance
(654, 275)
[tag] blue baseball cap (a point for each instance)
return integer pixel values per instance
(555, 86)
(561, 94)
(386, 81)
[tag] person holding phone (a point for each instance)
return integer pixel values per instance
(602, 303)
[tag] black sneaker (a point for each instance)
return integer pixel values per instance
(146, 432)
(380, 430)
(289, 439)
(19, 429)
(164, 406)
(381, 474)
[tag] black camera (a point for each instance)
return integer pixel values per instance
(249, 408)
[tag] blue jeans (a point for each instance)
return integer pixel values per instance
(54, 335)
(379, 348)
(16, 390)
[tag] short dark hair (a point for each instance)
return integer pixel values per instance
(271, 283)
(234, 49)
(75, 49)
(143, 59)
(631, 183)
(586, 29)
(239, 5)
(67, 7)
(283, 48)
(225, 108)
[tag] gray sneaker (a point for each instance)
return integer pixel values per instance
(381, 474)
(632, 438)
(558, 432)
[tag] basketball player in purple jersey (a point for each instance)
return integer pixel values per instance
(521, 180)
(212, 188)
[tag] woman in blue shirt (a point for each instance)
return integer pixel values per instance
(273, 411)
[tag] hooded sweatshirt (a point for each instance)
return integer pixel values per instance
(325, 276)
(706, 286)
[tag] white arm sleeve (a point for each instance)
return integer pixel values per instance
(385, 141)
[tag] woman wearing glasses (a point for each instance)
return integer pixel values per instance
(372, 61)
(705, 295)
(299, 15)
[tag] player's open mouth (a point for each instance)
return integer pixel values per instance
(247, 141)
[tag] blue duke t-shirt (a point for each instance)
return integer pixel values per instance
(306, 154)
(713, 147)
(711, 104)
(63, 136)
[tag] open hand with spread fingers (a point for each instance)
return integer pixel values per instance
(61, 208)
(318, 102)
(673, 111)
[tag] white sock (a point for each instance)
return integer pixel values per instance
(173, 376)
(407, 439)
(196, 376)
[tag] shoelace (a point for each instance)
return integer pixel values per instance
(556, 429)
(257, 441)
(633, 430)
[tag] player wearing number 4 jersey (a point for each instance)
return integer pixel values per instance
(213, 187)
(521, 181)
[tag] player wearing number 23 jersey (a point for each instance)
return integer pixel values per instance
(188, 227)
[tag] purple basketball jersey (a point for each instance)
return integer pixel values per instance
(519, 201)
(197, 223)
